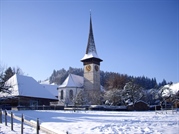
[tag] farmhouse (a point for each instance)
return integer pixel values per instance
(26, 91)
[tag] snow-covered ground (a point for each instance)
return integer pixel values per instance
(98, 122)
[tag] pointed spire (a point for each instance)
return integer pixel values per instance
(91, 48)
(91, 52)
(90, 12)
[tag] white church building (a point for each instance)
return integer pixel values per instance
(89, 83)
(70, 88)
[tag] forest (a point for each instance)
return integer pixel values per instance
(109, 80)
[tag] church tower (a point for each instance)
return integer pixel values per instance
(91, 63)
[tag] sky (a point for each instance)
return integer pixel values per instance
(134, 37)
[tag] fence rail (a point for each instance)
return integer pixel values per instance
(163, 110)
(34, 124)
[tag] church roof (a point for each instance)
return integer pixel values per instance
(26, 86)
(91, 48)
(73, 81)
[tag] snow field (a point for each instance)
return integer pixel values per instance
(100, 122)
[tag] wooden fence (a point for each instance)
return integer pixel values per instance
(163, 110)
(35, 124)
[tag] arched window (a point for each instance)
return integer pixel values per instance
(61, 94)
(71, 94)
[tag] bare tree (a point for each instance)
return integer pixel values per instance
(113, 97)
(17, 70)
(132, 93)
(91, 97)
(116, 81)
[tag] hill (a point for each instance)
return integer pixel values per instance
(108, 79)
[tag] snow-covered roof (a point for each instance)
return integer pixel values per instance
(174, 88)
(90, 55)
(47, 81)
(73, 81)
(52, 88)
(27, 86)
(170, 89)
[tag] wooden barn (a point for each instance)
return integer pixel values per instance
(26, 92)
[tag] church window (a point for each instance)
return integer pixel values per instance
(71, 94)
(61, 94)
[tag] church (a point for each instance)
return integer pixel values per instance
(87, 86)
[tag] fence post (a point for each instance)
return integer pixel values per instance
(0, 115)
(38, 126)
(11, 121)
(22, 123)
(5, 118)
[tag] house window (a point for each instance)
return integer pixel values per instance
(61, 94)
(71, 94)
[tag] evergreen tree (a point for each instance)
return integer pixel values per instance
(163, 83)
(8, 74)
(3, 87)
(5, 75)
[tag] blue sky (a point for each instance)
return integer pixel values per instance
(134, 37)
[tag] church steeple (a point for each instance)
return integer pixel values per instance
(91, 52)
(91, 63)
(91, 48)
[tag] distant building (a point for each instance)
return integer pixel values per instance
(90, 83)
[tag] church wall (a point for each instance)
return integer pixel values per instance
(66, 95)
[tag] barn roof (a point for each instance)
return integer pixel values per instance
(52, 88)
(28, 87)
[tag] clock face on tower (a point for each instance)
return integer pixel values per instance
(88, 68)
(96, 67)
